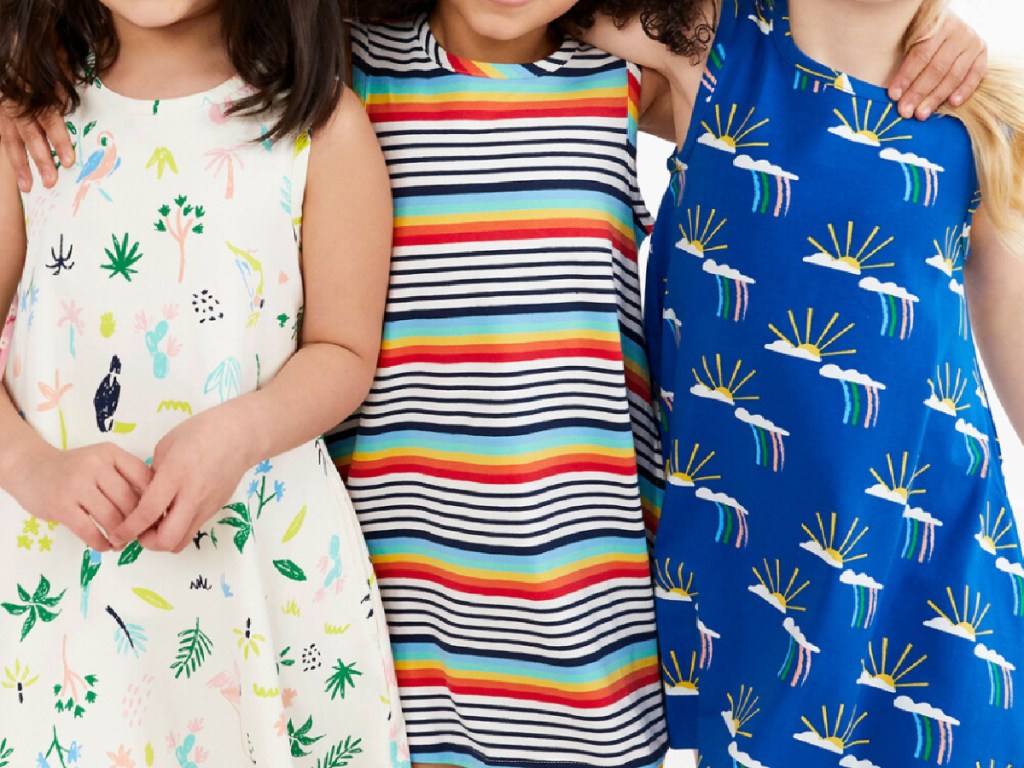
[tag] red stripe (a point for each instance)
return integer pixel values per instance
(440, 112)
(506, 475)
(497, 353)
(440, 235)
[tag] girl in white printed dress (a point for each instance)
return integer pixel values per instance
(185, 583)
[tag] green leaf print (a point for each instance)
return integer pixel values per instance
(5, 753)
(34, 607)
(130, 554)
(344, 677)
(243, 522)
(89, 569)
(290, 570)
(300, 737)
(341, 753)
(193, 646)
(122, 259)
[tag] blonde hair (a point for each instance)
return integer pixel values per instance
(994, 118)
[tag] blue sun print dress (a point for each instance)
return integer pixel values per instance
(839, 576)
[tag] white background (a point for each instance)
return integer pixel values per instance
(1001, 22)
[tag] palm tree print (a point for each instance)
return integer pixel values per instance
(223, 160)
(35, 607)
(52, 397)
(72, 317)
(185, 222)
(344, 677)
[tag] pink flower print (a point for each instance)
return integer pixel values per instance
(142, 322)
(52, 397)
(288, 697)
(281, 726)
(196, 725)
(172, 741)
(173, 346)
(72, 317)
(200, 755)
(170, 311)
(122, 758)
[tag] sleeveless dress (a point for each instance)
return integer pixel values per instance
(839, 576)
(494, 466)
(163, 278)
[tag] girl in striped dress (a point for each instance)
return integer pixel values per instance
(506, 456)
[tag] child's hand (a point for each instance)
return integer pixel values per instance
(197, 467)
(948, 65)
(22, 137)
(89, 490)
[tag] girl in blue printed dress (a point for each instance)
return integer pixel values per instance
(839, 576)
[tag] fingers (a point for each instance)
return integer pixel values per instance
(17, 155)
(174, 532)
(134, 470)
(940, 58)
(57, 132)
(120, 493)
(153, 505)
(39, 150)
(944, 88)
(102, 511)
(914, 64)
(81, 524)
(970, 84)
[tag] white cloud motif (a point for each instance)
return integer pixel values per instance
(957, 288)
(704, 630)
(875, 682)
(765, 25)
(886, 493)
(785, 348)
(916, 513)
(815, 548)
(702, 390)
(710, 140)
(1014, 569)
(794, 631)
(986, 654)
(907, 704)
(909, 158)
(852, 762)
(820, 259)
(855, 377)
(845, 132)
(943, 624)
(809, 737)
(937, 405)
(747, 163)
(679, 690)
(684, 244)
(875, 285)
(759, 421)
(743, 760)
(706, 494)
(964, 428)
(724, 270)
(859, 580)
(762, 591)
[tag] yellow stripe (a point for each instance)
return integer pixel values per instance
(499, 339)
(478, 96)
(548, 214)
(490, 70)
(491, 676)
(492, 574)
(476, 459)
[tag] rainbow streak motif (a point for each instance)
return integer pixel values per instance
(865, 598)
(921, 177)
(860, 400)
(1002, 686)
(733, 298)
(732, 518)
(798, 662)
(1016, 573)
(897, 314)
(926, 732)
(763, 194)
(774, 459)
(977, 449)
(707, 645)
(919, 542)
(716, 61)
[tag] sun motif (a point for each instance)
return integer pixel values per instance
(770, 589)
(990, 534)
(842, 258)
(673, 588)
(904, 488)
(991, 764)
(861, 130)
(697, 236)
(948, 256)
(677, 685)
(741, 711)
(948, 391)
(690, 476)
(835, 738)
(717, 388)
(831, 79)
(965, 622)
(887, 679)
(730, 138)
(826, 548)
(801, 344)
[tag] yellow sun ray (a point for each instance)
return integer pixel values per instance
(666, 582)
(731, 137)
(816, 348)
(972, 625)
(773, 584)
(874, 133)
(949, 391)
(677, 680)
(843, 553)
(743, 709)
(948, 256)
(990, 534)
(902, 488)
(831, 733)
(700, 238)
(855, 261)
(729, 390)
(991, 764)
(691, 475)
(893, 678)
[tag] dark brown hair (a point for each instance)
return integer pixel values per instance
(685, 27)
(290, 51)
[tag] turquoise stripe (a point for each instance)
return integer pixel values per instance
(568, 554)
(523, 88)
(550, 672)
(500, 202)
(505, 324)
(514, 445)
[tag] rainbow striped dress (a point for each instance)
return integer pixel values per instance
(495, 464)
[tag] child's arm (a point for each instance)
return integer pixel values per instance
(346, 248)
(994, 279)
(83, 488)
(23, 138)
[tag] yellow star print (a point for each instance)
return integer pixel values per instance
(24, 542)
(45, 544)
(31, 526)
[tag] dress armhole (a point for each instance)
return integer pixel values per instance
(643, 221)
(300, 172)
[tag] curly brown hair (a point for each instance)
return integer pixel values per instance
(290, 51)
(685, 27)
